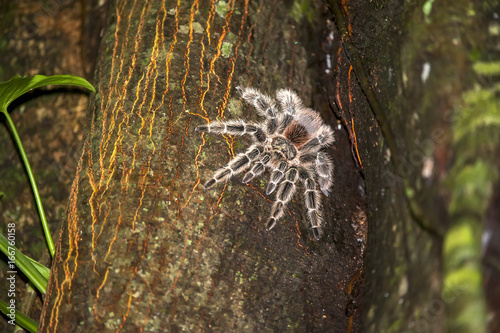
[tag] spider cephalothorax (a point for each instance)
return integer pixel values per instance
(290, 143)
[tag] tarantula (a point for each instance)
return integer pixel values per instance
(289, 142)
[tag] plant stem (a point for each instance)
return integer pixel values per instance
(31, 177)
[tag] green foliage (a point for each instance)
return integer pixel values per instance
(463, 270)
(471, 187)
(303, 8)
(38, 275)
(477, 125)
(427, 8)
(35, 272)
(21, 319)
(18, 86)
(476, 131)
(487, 68)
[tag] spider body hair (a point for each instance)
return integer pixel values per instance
(289, 143)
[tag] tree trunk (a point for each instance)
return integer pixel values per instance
(143, 246)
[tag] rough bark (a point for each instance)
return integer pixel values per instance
(417, 64)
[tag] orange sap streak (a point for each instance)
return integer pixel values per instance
(202, 66)
(107, 132)
(168, 59)
(186, 55)
(94, 306)
(349, 83)
(104, 108)
(356, 144)
(355, 140)
(129, 303)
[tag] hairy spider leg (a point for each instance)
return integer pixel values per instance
(324, 170)
(323, 138)
(285, 192)
(322, 165)
(234, 127)
(289, 101)
(235, 166)
(277, 174)
(258, 167)
(312, 198)
(264, 105)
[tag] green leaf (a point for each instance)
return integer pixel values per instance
(487, 68)
(13, 89)
(21, 319)
(45, 271)
(24, 264)
(17, 86)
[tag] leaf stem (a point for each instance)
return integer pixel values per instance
(31, 177)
